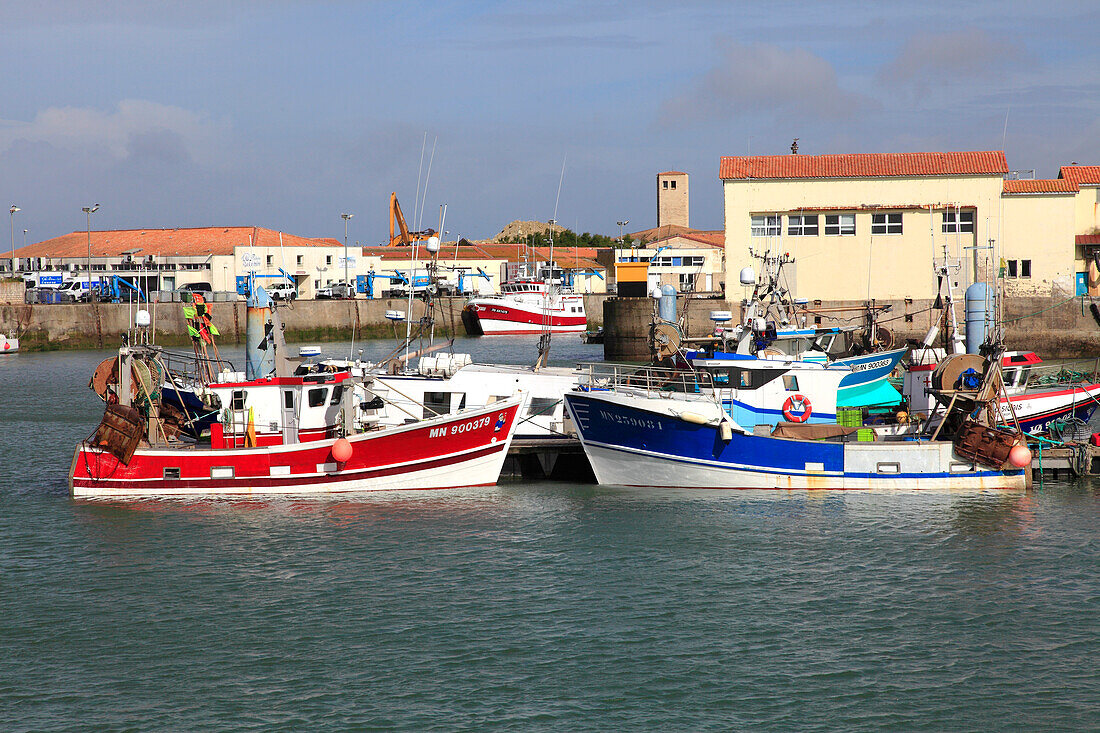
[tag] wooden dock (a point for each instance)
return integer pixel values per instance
(1069, 460)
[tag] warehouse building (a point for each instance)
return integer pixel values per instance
(878, 225)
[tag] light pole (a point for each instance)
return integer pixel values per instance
(345, 217)
(621, 225)
(89, 210)
(12, 211)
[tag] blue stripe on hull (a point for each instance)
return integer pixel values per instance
(618, 425)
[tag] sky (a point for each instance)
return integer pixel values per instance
(285, 114)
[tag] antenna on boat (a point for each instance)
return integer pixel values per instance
(547, 331)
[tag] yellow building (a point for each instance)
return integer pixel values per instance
(877, 225)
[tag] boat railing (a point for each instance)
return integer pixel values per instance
(1067, 372)
(190, 367)
(601, 376)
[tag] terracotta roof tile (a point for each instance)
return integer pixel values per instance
(1081, 174)
(1041, 185)
(199, 241)
(672, 173)
(863, 165)
(667, 231)
(1087, 239)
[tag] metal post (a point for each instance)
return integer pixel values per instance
(89, 210)
(12, 211)
(345, 217)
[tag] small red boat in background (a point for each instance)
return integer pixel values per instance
(525, 306)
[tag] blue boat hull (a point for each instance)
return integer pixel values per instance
(629, 444)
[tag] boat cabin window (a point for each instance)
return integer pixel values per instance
(745, 378)
(288, 399)
(317, 396)
(237, 400)
(790, 382)
(542, 406)
(439, 403)
(337, 394)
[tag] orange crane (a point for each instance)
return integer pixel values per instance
(404, 236)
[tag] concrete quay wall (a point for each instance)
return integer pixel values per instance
(1052, 327)
(84, 326)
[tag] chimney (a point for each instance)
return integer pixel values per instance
(794, 147)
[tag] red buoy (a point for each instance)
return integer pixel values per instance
(341, 450)
(1019, 456)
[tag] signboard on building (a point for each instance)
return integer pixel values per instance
(351, 261)
(250, 261)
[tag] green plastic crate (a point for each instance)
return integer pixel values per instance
(849, 418)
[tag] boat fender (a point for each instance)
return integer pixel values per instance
(694, 418)
(797, 408)
(726, 431)
(1019, 456)
(341, 450)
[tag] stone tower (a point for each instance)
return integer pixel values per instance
(672, 198)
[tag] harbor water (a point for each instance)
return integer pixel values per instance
(531, 606)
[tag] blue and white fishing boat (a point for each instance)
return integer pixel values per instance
(769, 329)
(638, 432)
(865, 383)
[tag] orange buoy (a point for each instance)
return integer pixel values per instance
(341, 450)
(1019, 456)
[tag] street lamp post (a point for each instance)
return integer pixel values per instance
(89, 210)
(345, 217)
(12, 211)
(621, 225)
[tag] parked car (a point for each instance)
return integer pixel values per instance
(336, 291)
(282, 290)
(204, 288)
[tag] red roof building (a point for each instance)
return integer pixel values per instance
(864, 165)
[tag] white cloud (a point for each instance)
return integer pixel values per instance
(932, 59)
(120, 132)
(754, 79)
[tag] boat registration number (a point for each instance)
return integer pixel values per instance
(462, 427)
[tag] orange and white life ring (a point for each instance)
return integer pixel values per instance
(797, 408)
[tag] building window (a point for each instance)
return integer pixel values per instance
(802, 226)
(299, 259)
(687, 282)
(328, 259)
(1019, 268)
(840, 224)
(665, 184)
(886, 223)
(270, 260)
(672, 185)
(766, 225)
(958, 221)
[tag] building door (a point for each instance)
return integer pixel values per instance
(1082, 283)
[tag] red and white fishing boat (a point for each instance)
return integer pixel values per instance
(1032, 406)
(525, 306)
(281, 433)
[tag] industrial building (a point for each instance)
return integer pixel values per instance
(878, 225)
(165, 260)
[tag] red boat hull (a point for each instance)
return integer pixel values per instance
(500, 318)
(465, 449)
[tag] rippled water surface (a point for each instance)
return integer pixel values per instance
(532, 606)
